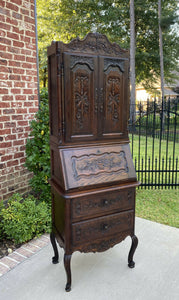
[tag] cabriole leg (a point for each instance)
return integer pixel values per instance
(131, 263)
(55, 259)
(67, 260)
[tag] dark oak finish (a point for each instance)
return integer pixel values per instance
(67, 260)
(131, 263)
(55, 259)
(93, 179)
(102, 204)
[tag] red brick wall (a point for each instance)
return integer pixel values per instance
(18, 91)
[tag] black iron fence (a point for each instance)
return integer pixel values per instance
(154, 135)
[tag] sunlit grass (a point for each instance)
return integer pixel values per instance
(158, 167)
(161, 206)
(153, 146)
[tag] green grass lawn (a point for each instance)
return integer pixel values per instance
(161, 206)
(160, 166)
(158, 205)
(150, 147)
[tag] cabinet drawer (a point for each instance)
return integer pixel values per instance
(97, 228)
(102, 203)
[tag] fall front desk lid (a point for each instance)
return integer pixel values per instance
(97, 165)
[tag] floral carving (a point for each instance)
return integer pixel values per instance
(95, 164)
(114, 98)
(81, 98)
(99, 102)
(95, 42)
(103, 245)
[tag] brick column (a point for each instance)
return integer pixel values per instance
(18, 91)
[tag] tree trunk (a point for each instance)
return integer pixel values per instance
(132, 63)
(161, 49)
(161, 62)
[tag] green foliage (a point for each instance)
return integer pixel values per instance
(64, 20)
(38, 150)
(1, 227)
(24, 219)
(147, 41)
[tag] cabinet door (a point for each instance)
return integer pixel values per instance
(113, 97)
(80, 83)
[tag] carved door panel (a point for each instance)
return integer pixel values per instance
(111, 97)
(80, 85)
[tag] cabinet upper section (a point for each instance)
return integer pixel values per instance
(88, 90)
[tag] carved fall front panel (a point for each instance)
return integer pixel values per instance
(95, 165)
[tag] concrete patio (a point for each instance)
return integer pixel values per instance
(103, 276)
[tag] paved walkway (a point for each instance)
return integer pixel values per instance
(102, 276)
(9, 262)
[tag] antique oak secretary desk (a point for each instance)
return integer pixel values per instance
(93, 179)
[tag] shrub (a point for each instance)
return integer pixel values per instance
(38, 150)
(24, 219)
(1, 227)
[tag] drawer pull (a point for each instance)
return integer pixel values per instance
(105, 202)
(105, 226)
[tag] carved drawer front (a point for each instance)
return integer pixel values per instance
(97, 228)
(103, 203)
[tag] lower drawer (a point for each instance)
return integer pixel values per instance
(97, 228)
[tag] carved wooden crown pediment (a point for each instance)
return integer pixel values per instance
(95, 43)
